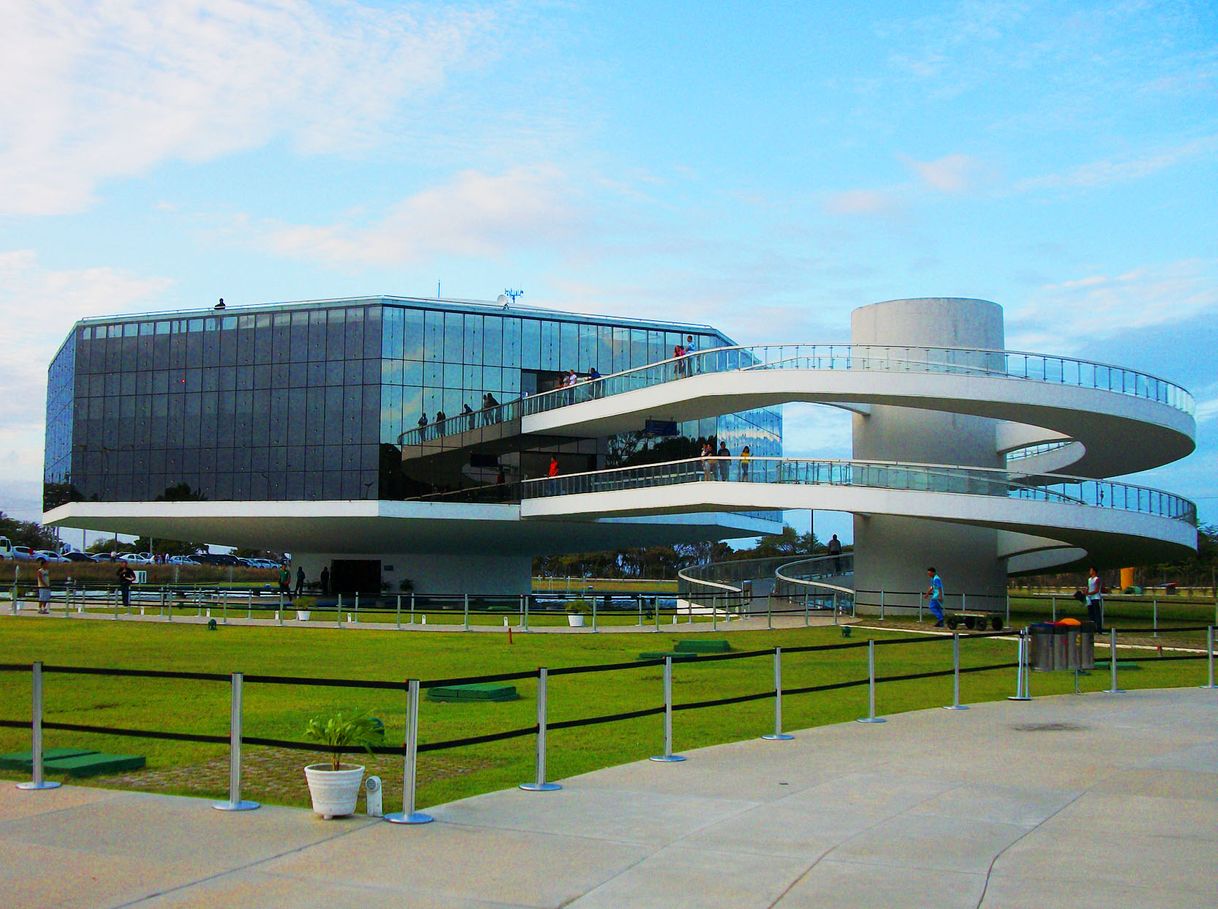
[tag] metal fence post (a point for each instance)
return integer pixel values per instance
(1209, 655)
(279, 610)
(1022, 687)
(956, 705)
(1154, 615)
(778, 735)
(594, 614)
(357, 607)
(638, 602)
(397, 612)
(1053, 603)
(36, 733)
(667, 757)
(235, 802)
(769, 613)
(408, 815)
(1112, 662)
(526, 611)
(338, 611)
(466, 611)
(714, 612)
(871, 717)
(1007, 618)
(249, 605)
(540, 784)
(412, 607)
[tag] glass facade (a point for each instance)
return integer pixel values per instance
(307, 401)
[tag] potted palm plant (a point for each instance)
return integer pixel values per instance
(334, 785)
(303, 606)
(576, 611)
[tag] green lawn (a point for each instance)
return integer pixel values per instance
(274, 775)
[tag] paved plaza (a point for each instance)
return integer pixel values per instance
(1095, 800)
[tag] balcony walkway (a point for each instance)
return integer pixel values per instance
(1099, 800)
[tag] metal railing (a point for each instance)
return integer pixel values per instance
(872, 474)
(981, 362)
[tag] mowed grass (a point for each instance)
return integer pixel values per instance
(280, 711)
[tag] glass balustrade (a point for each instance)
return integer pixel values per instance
(1006, 364)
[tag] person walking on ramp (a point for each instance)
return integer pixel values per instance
(934, 596)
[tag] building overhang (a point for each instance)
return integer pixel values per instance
(393, 527)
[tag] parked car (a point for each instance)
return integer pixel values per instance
(182, 560)
(78, 557)
(136, 558)
(262, 563)
(49, 555)
(6, 549)
(23, 554)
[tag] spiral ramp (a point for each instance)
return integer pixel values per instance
(990, 461)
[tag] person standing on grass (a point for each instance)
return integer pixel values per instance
(300, 579)
(325, 580)
(43, 578)
(126, 577)
(1095, 599)
(934, 596)
(285, 580)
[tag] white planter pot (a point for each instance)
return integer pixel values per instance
(302, 615)
(334, 792)
(575, 620)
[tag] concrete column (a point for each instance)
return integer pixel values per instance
(892, 553)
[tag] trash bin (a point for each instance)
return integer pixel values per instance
(1063, 641)
(1086, 648)
(1042, 635)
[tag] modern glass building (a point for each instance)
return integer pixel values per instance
(307, 403)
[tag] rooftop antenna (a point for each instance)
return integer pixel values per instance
(437, 288)
(513, 294)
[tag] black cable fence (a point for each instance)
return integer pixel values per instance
(411, 687)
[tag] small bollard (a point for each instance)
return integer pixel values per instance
(1112, 662)
(871, 717)
(36, 733)
(235, 802)
(667, 757)
(778, 735)
(955, 704)
(1209, 655)
(1022, 672)
(408, 815)
(540, 784)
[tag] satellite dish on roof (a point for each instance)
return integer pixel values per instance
(502, 300)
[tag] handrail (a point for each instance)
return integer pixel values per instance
(1015, 364)
(1062, 488)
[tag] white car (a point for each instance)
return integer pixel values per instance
(136, 558)
(182, 560)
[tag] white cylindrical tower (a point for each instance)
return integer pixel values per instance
(893, 553)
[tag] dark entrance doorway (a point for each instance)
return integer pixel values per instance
(355, 575)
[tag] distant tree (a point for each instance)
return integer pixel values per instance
(167, 547)
(27, 533)
(181, 492)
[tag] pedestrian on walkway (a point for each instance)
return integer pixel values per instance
(708, 462)
(553, 469)
(285, 580)
(835, 549)
(126, 577)
(300, 580)
(934, 596)
(691, 362)
(325, 580)
(1095, 599)
(43, 578)
(725, 460)
(678, 353)
(746, 457)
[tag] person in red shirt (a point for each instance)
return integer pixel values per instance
(553, 471)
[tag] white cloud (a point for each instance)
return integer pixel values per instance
(949, 174)
(97, 91)
(1072, 314)
(1108, 171)
(38, 306)
(475, 215)
(863, 202)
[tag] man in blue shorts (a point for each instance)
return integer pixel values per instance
(934, 596)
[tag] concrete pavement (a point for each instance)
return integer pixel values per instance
(1095, 800)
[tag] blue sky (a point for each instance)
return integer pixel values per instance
(766, 167)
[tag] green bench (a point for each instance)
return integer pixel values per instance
(703, 646)
(468, 694)
(75, 762)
